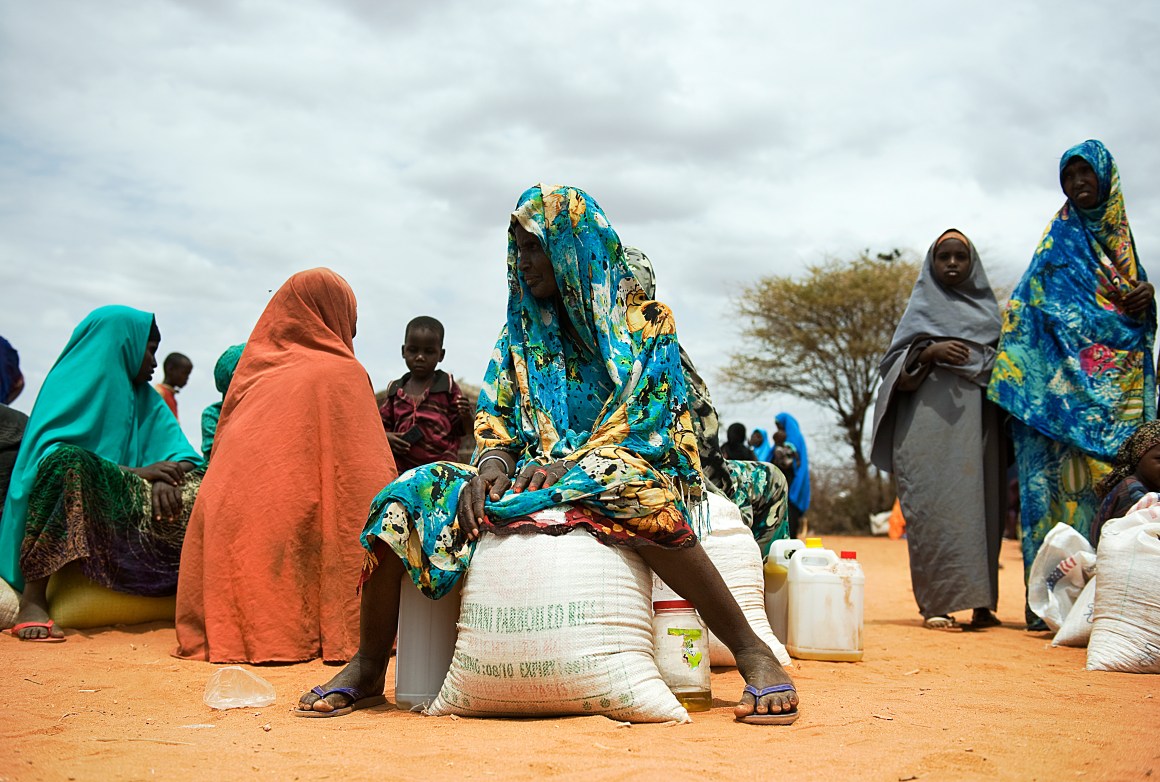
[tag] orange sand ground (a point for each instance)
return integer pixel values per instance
(925, 705)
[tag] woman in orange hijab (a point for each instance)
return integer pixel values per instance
(271, 560)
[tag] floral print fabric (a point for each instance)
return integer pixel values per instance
(1072, 363)
(605, 393)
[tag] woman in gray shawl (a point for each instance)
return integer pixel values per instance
(936, 431)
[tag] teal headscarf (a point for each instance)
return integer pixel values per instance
(89, 400)
(223, 373)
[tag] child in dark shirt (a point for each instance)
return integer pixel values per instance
(425, 414)
(784, 455)
(1135, 473)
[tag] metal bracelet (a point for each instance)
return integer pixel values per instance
(479, 466)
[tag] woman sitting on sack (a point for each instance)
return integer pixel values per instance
(583, 404)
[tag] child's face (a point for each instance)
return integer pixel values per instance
(422, 351)
(952, 262)
(1148, 469)
(779, 437)
(755, 438)
(178, 376)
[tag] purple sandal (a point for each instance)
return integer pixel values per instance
(780, 718)
(357, 701)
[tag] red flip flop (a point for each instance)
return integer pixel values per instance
(49, 639)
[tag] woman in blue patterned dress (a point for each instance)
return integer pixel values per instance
(584, 405)
(1074, 367)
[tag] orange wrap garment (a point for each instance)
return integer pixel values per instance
(271, 559)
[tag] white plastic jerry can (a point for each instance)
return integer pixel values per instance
(826, 593)
(776, 571)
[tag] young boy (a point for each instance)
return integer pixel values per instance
(177, 367)
(425, 414)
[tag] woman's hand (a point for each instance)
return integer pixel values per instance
(171, 473)
(1139, 298)
(948, 352)
(539, 476)
(167, 502)
(490, 482)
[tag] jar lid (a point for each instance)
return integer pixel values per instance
(813, 542)
(669, 605)
(849, 555)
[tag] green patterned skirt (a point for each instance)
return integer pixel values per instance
(86, 508)
(760, 490)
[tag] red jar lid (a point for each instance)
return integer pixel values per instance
(849, 555)
(663, 605)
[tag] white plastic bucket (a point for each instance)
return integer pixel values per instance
(825, 606)
(427, 632)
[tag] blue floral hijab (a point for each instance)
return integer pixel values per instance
(609, 400)
(1072, 363)
(529, 402)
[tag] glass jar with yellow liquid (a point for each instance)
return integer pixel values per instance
(681, 649)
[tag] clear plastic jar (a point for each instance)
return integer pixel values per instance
(681, 648)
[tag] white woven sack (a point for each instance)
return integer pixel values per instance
(556, 625)
(1126, 620)
(1077, 626)
(9, 605)
(732, 549)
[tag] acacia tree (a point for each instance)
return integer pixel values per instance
(821, 337)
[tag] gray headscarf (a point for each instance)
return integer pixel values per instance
(967, 312)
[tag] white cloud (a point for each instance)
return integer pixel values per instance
(188, 157)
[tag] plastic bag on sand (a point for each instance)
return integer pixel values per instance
(236, 688)
(1126, 619)
(1062, 567)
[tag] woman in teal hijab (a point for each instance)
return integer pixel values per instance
(583, 405)
(103, 474)
(223, 373)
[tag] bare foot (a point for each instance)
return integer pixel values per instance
(761, 670)
(364, 674)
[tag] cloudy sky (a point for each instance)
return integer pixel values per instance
(187, 157)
